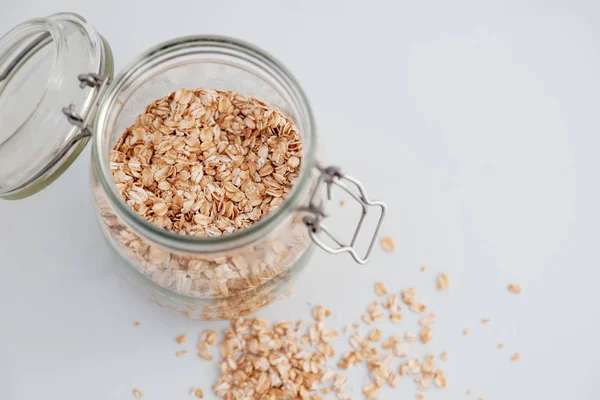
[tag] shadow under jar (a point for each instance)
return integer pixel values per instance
(219, 277)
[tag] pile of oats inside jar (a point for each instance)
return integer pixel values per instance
(206, 162)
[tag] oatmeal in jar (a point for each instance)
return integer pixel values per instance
(207, 162)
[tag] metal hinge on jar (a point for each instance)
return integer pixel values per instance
(330, 176)
(82, 122)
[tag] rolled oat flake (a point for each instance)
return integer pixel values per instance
(58, 91)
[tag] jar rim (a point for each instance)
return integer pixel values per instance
(230, 46)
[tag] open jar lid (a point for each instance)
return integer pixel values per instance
(51, 73)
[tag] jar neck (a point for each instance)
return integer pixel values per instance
(169, 64)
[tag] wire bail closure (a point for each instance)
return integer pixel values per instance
(94, 81)
(332, 175)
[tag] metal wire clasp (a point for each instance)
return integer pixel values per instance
(94, 81)
(330, 176)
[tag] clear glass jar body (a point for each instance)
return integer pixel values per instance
(217, 277)
(63, 64)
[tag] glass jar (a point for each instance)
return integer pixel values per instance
(218, 277)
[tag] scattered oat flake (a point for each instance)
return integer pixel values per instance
(205, 356)
(428, 319)
(207, 338)
(138, 393)
(418, 307)
(408, 295)
(181, 339)
(381, 289)
(393, 380)
(136, 323)
(375, 335)
(423, 268)
(466, 331)
(396, 317)
(342, 203)
(515, 357)
(444, 356)
(485, 320)
(409, 298)
(500, 345)
(329, 334)
(514, 288)
(388, 244)
(318, 313)
(410, 337)
(199, 393)
(426, 335)
(401, 349)
(469, 392)
(390, 343)
(440, 379)
(181, 353)
(370, 389)
(419, 396)
(443, 282)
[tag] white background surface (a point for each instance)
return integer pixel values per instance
(478, 126)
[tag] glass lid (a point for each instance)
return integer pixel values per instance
(52, 71)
